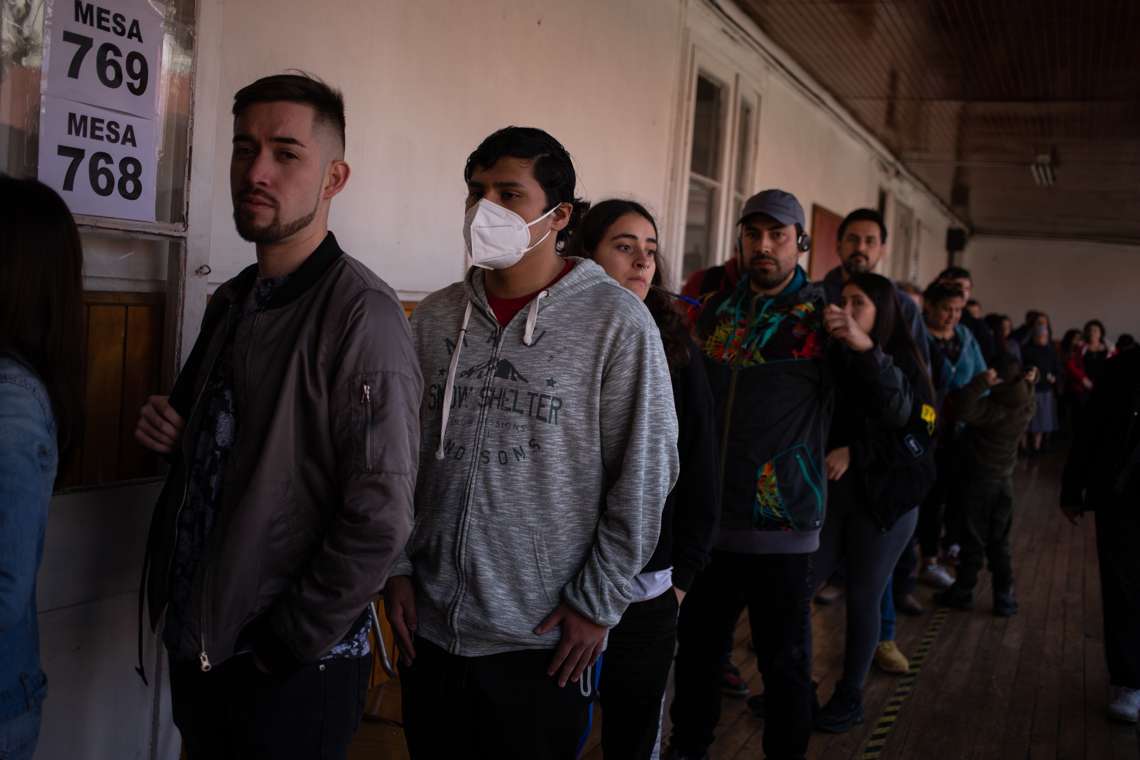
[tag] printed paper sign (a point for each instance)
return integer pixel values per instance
(102, 162)
(105, 53)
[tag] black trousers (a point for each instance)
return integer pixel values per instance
(501, 706)
(1118, 553)
(235, 712)
(988, 510)
(777, 590)
(635, 671)
(942, 506)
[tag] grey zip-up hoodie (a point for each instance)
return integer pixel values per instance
(547, 451)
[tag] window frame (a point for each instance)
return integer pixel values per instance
(741, 86)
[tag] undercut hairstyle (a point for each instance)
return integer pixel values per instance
(863, 215)
(41, 295)
(941, 291)
(670, 322)
(327, 103)
(552, 167)
(891, 330)
(955, 273)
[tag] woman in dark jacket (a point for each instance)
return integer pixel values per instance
(1040, 353)
(881, 465)
(621, 236)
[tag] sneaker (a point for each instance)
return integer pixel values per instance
(842, 712)
(933, 574)
(956, 598)
(908, 604)
(1005, 603)
(1124, 704)
(889, 659)
(732, 684)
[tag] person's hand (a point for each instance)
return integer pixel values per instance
(991, 377)
(837, 461)
(159, 426)
(841, 326)
(400, 606)
(580, 646)
(680, 595)
(1031, 375)
(1050, 378)
(1072, 513)
(1087, 383)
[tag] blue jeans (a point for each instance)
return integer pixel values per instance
(887, 612)
(19, 735)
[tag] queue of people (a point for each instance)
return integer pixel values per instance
(564, 484)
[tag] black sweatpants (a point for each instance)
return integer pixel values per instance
(635, 671)
(1118, 553)
(942, 506)
(988, 511)
(500, 706)
(777, 589)
(235, 712)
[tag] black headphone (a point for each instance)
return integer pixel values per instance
(803, 242)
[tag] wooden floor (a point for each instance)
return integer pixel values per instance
(1030, 687)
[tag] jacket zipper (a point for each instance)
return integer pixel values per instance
(453, 616)
(203, 658)
(366, 400)
(730, 402)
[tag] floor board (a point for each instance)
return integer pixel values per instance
(1033, 686)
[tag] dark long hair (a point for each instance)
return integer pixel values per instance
(41, 285)
(670, 322)
(553, 168)
(891, 331)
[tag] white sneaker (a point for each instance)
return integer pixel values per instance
(1124, 704)
(933, 574)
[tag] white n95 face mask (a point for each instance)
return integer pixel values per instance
(496, 237)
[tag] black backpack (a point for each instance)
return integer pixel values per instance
(896, 468)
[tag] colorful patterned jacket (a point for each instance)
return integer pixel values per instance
(774, 390)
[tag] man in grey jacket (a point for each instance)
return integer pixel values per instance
(292, 434)
(548, 449)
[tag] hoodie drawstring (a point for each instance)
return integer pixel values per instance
(449, 386)
(532, 318)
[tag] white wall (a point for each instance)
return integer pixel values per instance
(425, 82)
(1072, 281)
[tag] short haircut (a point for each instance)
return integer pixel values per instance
(863, 215)
(552, 167)
(940, 291)
(955, 273)
(326, 102)
(973, 302)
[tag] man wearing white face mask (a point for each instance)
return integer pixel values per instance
(549, 447)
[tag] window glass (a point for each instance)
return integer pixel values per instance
(21, 55)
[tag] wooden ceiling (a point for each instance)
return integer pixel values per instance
(968, 93)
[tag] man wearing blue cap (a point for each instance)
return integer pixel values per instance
(763, 343)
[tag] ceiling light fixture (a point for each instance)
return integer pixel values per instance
(1042, 170)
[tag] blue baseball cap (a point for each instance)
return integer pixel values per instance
(781, 206)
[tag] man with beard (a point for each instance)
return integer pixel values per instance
(862, 245)
(763, 343)
(293, 434)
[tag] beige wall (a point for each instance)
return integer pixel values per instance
(424, 82)
(1071, 281)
